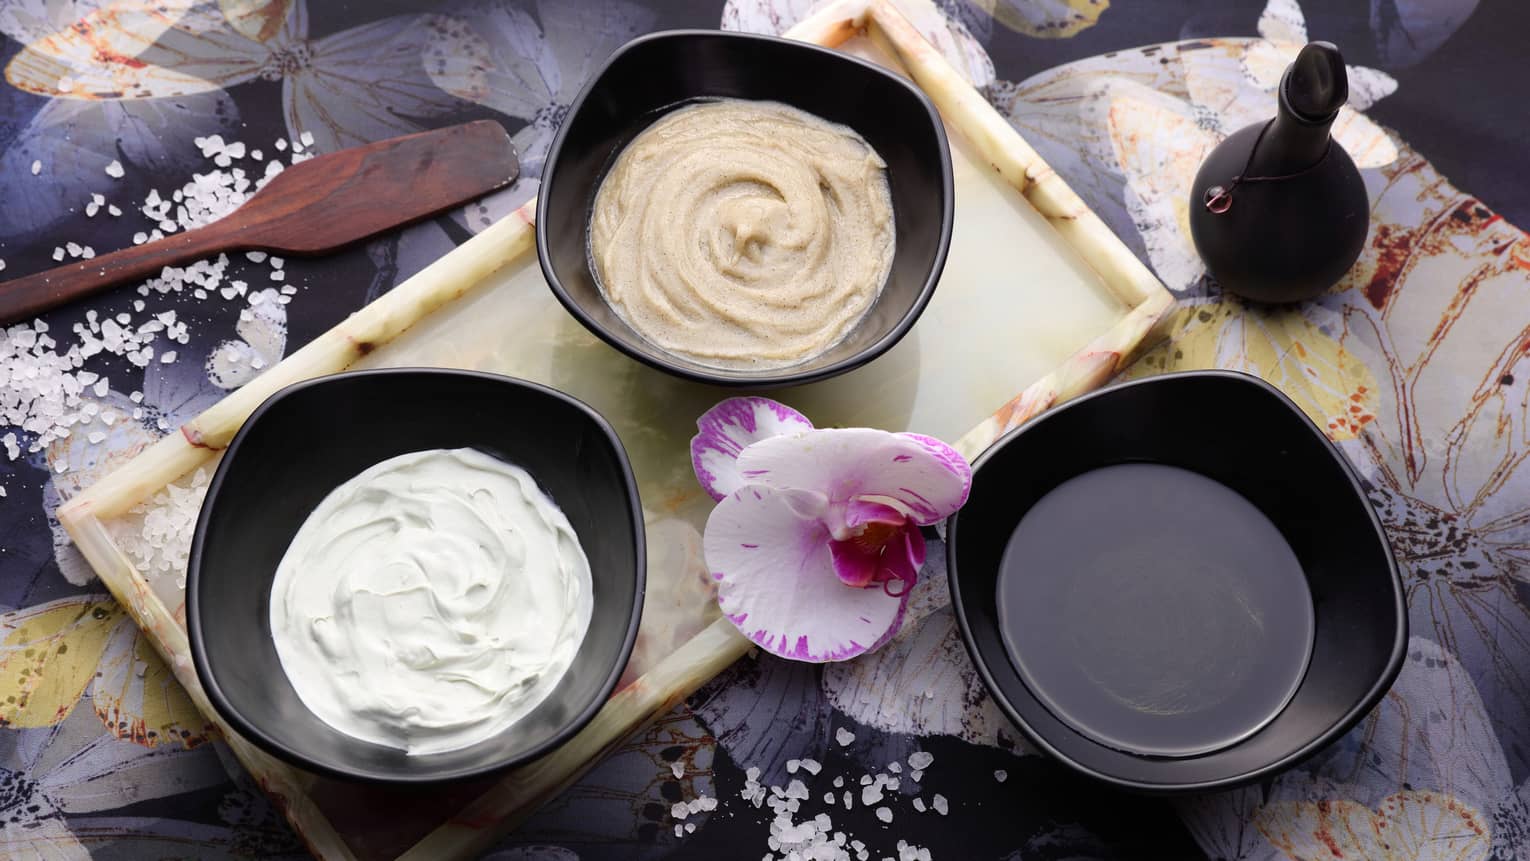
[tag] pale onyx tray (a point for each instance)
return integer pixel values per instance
(1038, 298)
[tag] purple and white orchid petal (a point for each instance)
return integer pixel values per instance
(730, 427)
(924, 477)
(776, 582)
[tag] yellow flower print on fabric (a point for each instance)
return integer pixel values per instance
(55, 653)
(1328, 382)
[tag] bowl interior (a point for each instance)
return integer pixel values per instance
(1271, 454)
(308, 439)
(656, 73)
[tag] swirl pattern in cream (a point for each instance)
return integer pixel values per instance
(431, 601)
(743, 234)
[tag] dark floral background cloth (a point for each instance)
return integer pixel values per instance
(1418, 364)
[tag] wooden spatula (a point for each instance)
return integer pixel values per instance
(313, 207)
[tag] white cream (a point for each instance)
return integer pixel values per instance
(431, 601)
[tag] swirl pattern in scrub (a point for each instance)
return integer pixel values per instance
(743, 234)
(431, 601)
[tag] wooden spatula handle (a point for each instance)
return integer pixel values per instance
(21, 298)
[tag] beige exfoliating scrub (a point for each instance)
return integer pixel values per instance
(743, 234)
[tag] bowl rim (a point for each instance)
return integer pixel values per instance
(777, 377)
(244, 727)
(1342, 725)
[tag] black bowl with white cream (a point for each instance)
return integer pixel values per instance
(308, 557)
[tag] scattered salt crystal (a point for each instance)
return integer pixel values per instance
(679, 810)
(114, 170)
(36, 167)
(849, 799)
(919, 804)
(88, 252)
(865, 780)
(61, 467)
(113, 210)
(140, 238)
(839, 781)
(2, 265)
(101, 388)
(915, 775)
(2, 491)
(277, 262)
(679, 829)
(74, 248)
(828, 798)
(97, 437)
(278, 275)
(1001, 775)
(677, 768)
(98, 199)
(91, 209)
(811, 765)
(256, 154)
(255, 256)
(884, 814)
(920, 760)
(58, 254)
(281, 145)
(894, 767)
(690, 827)
(844, 737)
(939, 803)
(289, 290)
(167, 357)
(306, 138)
(136, 397)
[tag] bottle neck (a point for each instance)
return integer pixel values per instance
(1292, 143)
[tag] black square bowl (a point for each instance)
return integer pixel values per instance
(1277, 459)
(309, 438)
(656, 73)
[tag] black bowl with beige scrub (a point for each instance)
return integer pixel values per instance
(714, 206)
(416, 575)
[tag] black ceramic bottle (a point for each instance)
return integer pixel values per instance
(1278, 210)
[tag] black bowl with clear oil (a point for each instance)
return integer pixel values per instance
(1172, 604)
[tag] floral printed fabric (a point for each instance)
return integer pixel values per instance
(1418, 365)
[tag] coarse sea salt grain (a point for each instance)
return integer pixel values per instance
(36, 167)
(1000, 775)
(844, 737)
(795, 834)
(156, 533)
(114, 170)
(44, 388)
